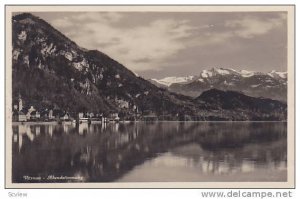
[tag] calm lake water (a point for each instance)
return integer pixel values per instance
(150, 152)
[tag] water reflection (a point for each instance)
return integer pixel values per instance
(163, 151)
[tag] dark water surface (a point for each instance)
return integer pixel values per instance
(150, 152)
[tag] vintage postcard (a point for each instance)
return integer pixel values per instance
(150, 96)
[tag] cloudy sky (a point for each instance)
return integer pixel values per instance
(156, 45)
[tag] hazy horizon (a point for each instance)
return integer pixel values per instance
(160, 44)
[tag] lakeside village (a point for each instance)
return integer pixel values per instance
(22, 114)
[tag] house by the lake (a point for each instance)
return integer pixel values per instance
(114, 117)
(149, 116)
(35, 115)
(22, 117)
(19, 116)
(65, 116)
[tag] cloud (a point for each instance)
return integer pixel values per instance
(249, 27)
(139, 48)
(98, 16)
(155, 44)
(62, 22)
(143, 60)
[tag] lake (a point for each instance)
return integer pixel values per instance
(150, 152)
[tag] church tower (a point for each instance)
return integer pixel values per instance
(20, 103)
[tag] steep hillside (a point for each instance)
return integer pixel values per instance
(51, 70)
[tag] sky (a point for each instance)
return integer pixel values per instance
(161, 44)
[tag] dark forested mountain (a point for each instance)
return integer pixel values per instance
(49, 70)
(257, 84)
(242, 106)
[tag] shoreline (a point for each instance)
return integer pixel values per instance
(99, 122)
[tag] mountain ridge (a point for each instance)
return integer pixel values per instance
(271, 84)
(51, 71)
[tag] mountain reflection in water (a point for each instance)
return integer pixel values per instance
(159, 151)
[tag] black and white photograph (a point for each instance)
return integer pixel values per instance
(150, 96)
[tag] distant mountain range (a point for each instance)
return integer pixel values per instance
(51, 71)
(269, 85)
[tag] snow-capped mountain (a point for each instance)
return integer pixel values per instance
(270, 85)
(275, 74)
(167, 81)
